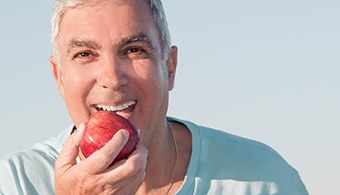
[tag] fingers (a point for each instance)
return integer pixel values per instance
(127, 175)
(135, 182)
(136, 162)
(94, 175)
(139, 155)
(131, 184)
(105, 156)
(69, 153)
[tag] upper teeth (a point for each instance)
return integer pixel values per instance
(116, 108)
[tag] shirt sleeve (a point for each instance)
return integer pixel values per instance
(27, 172)
(301, 189)
(9, 180)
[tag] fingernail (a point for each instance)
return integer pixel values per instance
(81, 126)
(125, 134)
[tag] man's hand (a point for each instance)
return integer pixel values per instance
(94, 175)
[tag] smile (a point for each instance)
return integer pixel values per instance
(116, 108)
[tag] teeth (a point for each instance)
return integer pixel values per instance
(116, 108)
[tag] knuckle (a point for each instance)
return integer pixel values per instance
(142, 152)
(82, 178)
(143, 175)
(108, 189)
(87, 183)
(145, 150)
(71, 140)
(103, 157)
(132, 168)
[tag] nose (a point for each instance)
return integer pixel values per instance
(112, 75)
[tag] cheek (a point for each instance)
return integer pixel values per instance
(77, 86)
(78, 79)
(152, 77)
(154, 71)
(74, 82)
(154, 85)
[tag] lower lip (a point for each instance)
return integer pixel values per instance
(126, 113)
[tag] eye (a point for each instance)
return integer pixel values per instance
(83, 54)
(85, 57)
(136, 53)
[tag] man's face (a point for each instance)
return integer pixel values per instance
(111, 59)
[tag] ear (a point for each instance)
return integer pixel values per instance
(172, 65)
(58, 76)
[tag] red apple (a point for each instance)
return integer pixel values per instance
(101, 127)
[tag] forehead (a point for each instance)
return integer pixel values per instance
(108, 19)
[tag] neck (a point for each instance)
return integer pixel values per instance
(162, 159)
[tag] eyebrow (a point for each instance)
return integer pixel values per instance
(82, 43)
(140, 37)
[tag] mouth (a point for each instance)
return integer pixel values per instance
(124, 109)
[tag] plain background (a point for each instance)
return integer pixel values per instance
(267, 70)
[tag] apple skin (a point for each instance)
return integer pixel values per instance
(101, 127)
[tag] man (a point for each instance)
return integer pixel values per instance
(115, 55)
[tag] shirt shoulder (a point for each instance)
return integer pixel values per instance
(223, 163)
(31, 171)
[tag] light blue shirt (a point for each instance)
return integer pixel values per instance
(220, 163)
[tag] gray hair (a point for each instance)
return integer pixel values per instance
(157, 12)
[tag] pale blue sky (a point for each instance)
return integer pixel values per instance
(267, 70)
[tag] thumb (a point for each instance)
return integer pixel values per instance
(68, 155)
